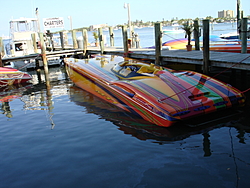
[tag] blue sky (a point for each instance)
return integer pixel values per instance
(111, 12)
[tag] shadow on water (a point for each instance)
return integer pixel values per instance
(143, 130)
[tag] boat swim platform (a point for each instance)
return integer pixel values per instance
(217, 59)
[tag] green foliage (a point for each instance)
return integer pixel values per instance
(188, 28)
(95, 35)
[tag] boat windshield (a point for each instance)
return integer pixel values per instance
(24, 25)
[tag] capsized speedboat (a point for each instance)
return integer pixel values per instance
(159, 95)
(10, 76)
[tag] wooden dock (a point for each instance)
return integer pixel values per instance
(162, 56)
(217, 59)
(195, 57)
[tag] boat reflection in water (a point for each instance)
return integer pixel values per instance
(9, 93)
(138, 127)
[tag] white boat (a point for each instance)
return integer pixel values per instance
(21, 41)
(231, 35)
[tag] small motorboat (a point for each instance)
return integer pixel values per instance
(11, 76)
(232, 35)
(159, 95)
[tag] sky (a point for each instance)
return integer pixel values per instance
(112, 12)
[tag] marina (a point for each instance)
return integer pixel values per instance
(70, 124)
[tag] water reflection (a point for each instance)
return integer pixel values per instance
(143, 130)
(9, 93)
(40, 97)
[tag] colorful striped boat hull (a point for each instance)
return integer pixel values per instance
(10, 76)
(163, 97)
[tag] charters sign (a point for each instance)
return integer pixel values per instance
(49, 23)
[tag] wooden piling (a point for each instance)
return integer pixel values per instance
(44, 58)
(75, 46)
(50, 35)
(101, 41)
(62, 40)
(125, 40)
(158, 43)
(2, 46)
(33, 36)
(1, 62)
(111, 36)
(85, 41)
(1, 51)
(244, 35)
(196, 35)
(206, 51)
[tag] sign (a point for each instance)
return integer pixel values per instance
(49, 23)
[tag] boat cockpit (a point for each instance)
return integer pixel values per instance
(128, 70)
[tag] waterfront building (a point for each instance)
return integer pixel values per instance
(226, 14)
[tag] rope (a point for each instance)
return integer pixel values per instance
(29, 62)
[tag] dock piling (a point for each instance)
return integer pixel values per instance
(33, 36)
(158, 42)
(243, 34)
(111, 34)
(125, 40)
(44, 59)
(206, 52)
(61, 40)
(196, 35)
(75, 46)
(1, 51)
(85, 41)
(101, 41)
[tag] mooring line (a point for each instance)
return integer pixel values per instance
(29, 62)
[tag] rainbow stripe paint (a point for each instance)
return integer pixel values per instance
(10, 76)
(159, 95)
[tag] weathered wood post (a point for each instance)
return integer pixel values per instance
(75, 46)
(125, 40)
(206, 52)
(111, 34)
(33, 36)
(51, 42)
(158, 43)
(101, 41)
(62, 40)
(85, 41)
(137, 40)
(44, 58)
(1, 51)
(132, 37)
(244, 35)
(196, 35)
(1, 62)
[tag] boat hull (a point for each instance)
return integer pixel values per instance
(162, 98)
(234, 48)
(10, 76)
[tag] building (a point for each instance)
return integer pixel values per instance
(95, 27)
(226, 14)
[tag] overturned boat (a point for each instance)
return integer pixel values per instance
(159, 95)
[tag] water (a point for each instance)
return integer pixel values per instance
(65, 137)
(147, 35)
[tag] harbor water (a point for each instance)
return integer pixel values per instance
(62, 136)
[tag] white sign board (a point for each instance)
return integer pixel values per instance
(49, 23)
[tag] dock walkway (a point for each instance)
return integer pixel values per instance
(217, 59)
